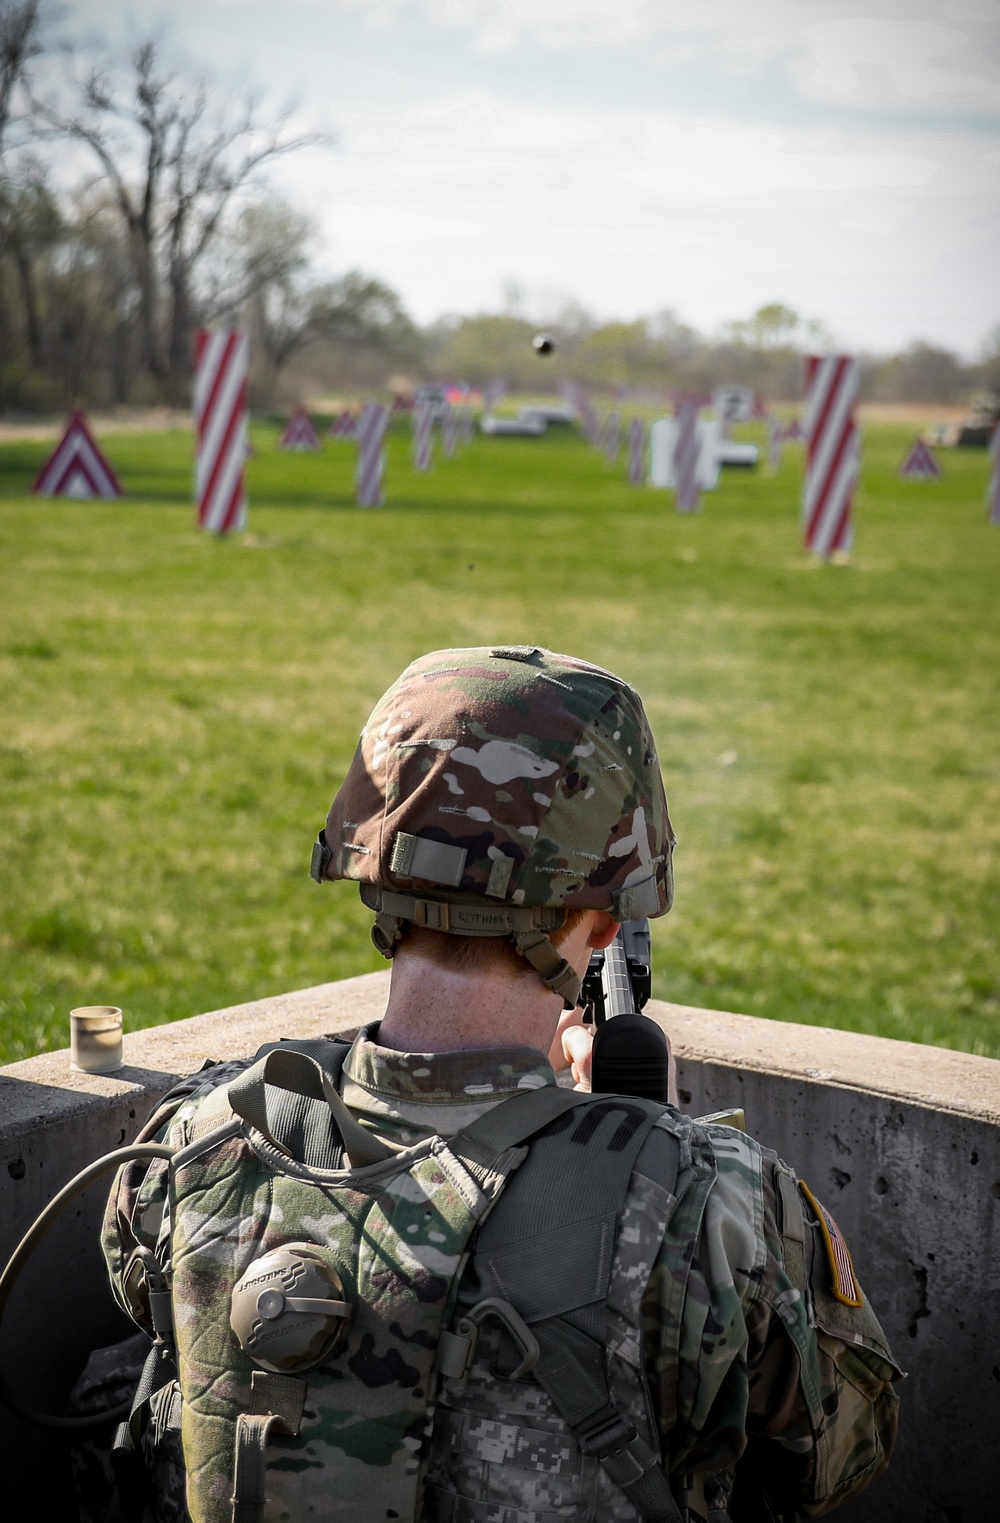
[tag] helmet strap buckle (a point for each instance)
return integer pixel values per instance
(387, 933)
(536, 948)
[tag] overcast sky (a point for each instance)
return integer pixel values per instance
(701, 155)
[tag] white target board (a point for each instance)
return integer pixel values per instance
(663, 451)
(733, 404)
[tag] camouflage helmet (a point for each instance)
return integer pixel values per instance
(495, 789)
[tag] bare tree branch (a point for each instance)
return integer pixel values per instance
(19, 44)
(175, 158)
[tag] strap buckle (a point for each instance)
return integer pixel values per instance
(457, 1350)
(605, 1432)
(321, 857)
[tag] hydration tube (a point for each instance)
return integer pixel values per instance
(31, 1238)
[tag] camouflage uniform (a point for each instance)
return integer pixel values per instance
(492, 791)
(742, 1338)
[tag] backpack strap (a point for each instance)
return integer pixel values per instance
(547, 1249)
(303, 1115)
(276, 1405)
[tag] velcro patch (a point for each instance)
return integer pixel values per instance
(845, 1284)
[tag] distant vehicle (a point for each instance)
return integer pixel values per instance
(522, 428)
(731, 452)
(563, 416)
(976, 431)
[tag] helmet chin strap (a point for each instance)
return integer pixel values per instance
(526, 928)
(547, 961)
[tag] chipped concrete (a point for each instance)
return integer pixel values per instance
(902, 1143)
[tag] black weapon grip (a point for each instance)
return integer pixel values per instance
(631, 1057)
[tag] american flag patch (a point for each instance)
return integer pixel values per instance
(845, 1285)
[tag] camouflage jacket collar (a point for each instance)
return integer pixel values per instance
(436, 1091)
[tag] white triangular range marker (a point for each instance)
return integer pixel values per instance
(76, 467)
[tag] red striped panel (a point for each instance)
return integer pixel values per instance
(831, 452)
(220, 401)
(77, 453)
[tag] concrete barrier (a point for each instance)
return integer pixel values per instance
(902, 1143)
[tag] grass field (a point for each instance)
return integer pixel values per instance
(177, 712)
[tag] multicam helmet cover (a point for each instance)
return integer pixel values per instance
(493, 790)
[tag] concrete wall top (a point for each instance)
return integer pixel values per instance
(901, 1141)
(41, 1090)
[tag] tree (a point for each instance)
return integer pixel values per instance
(920, 373)
(770, 330)
(31, 226)
(479, 349)
(19, 44)
(266, 282)
(173, 159)
(20, 203)
(989, 369)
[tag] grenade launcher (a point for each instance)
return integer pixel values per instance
(631, 1052)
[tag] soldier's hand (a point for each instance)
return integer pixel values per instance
(572, 1047)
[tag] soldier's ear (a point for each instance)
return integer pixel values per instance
(603, 931)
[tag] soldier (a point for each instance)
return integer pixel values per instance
(415, 1277)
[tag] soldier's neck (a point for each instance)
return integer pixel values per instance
(434, 1009)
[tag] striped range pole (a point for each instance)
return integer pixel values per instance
(612, 439)
(993, 504)
(636, 452)
(775, 435)
(449, 431)
(686, 455)
(831, 451)
(423, 435)
(372, 425)
(221, 362)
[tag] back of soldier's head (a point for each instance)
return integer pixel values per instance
(495, 790)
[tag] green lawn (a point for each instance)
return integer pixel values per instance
(178, 711)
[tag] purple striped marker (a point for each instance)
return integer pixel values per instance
(372, 427)
(686, 455)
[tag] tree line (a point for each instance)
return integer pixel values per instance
(135, 208)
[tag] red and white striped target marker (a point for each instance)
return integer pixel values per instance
(299, 432)
(372, 425)
(775, 434)
(423, 435)
(344, 426)
(221, 360)
(920, 464)
(831, 452)
(449, 430)
(611, 437)
(636, 452)
(993, 502)
(76, 467)
(686, 454)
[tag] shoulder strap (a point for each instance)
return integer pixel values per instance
(303, 1115)
(547, 1249)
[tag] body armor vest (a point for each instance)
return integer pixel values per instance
(450, 1332)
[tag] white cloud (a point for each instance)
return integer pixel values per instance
(870, 201)
(884, 53)
(880, 235)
